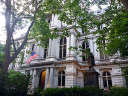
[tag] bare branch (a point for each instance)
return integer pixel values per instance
(2, 13)
(14, 44)
(25, 38)
(25, 9)
(27, 17)
(3, 1)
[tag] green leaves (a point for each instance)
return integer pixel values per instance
(40, 31)
(115, 34)
(111, 38)
(17, 84)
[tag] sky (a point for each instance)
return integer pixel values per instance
(2, 24)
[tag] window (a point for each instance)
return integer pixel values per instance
(82, 30)
(107, 82)
(61, 78)
(33, 45)
(46, 49)
(62, 53)
(84, 46)
(103, 56)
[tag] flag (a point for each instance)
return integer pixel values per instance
(34, 55)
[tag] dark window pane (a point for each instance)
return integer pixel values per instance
(64, 51)
(60, 54)
(82, 30)
(109, 82)
(83, 58)
(64, 40)
(87, 45)
(59, 73)
(61, 41)
(49, 21)
(59, 80)
(63, 72)
(83, 45)
(108, 74)
(45, 53)
(105, 82)
(63, 80)
(33, 45)
(104, 74)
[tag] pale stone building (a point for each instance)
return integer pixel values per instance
(58, 67)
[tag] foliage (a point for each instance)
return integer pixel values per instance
(75, 91)
(19, 14)
(40, 30)
(125, 74)
(110, 39)
(118, 91)
(113, 36)
(85, 91)
(17, 84)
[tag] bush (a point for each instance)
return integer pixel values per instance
(126, 76)
(17, 84)
(75, 91)
(118, 91)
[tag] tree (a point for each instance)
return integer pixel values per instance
(18, 14)
(1, 53)
(112, 38)
(17, 83)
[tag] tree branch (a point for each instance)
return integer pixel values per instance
(25, 38)
(14, 44)
(125, 3)
(3, 1)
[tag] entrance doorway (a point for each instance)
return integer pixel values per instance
(42, 79)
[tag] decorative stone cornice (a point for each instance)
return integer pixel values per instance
(38, 64)
(112, 63)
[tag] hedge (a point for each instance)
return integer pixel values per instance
(85, 91)
(75, 91)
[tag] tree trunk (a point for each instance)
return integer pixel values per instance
(3, 77)
(125, 3)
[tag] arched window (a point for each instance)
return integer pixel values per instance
(46, 49)
(62, 53)
(84, 46)
(61, 78)
(107, 82)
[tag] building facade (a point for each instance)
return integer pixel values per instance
(56, 66)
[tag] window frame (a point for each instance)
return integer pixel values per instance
(106, 77)
(46, 49)
(61, 75)
(86, 45)
(62, 48)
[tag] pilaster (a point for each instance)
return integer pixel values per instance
(51, 78)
